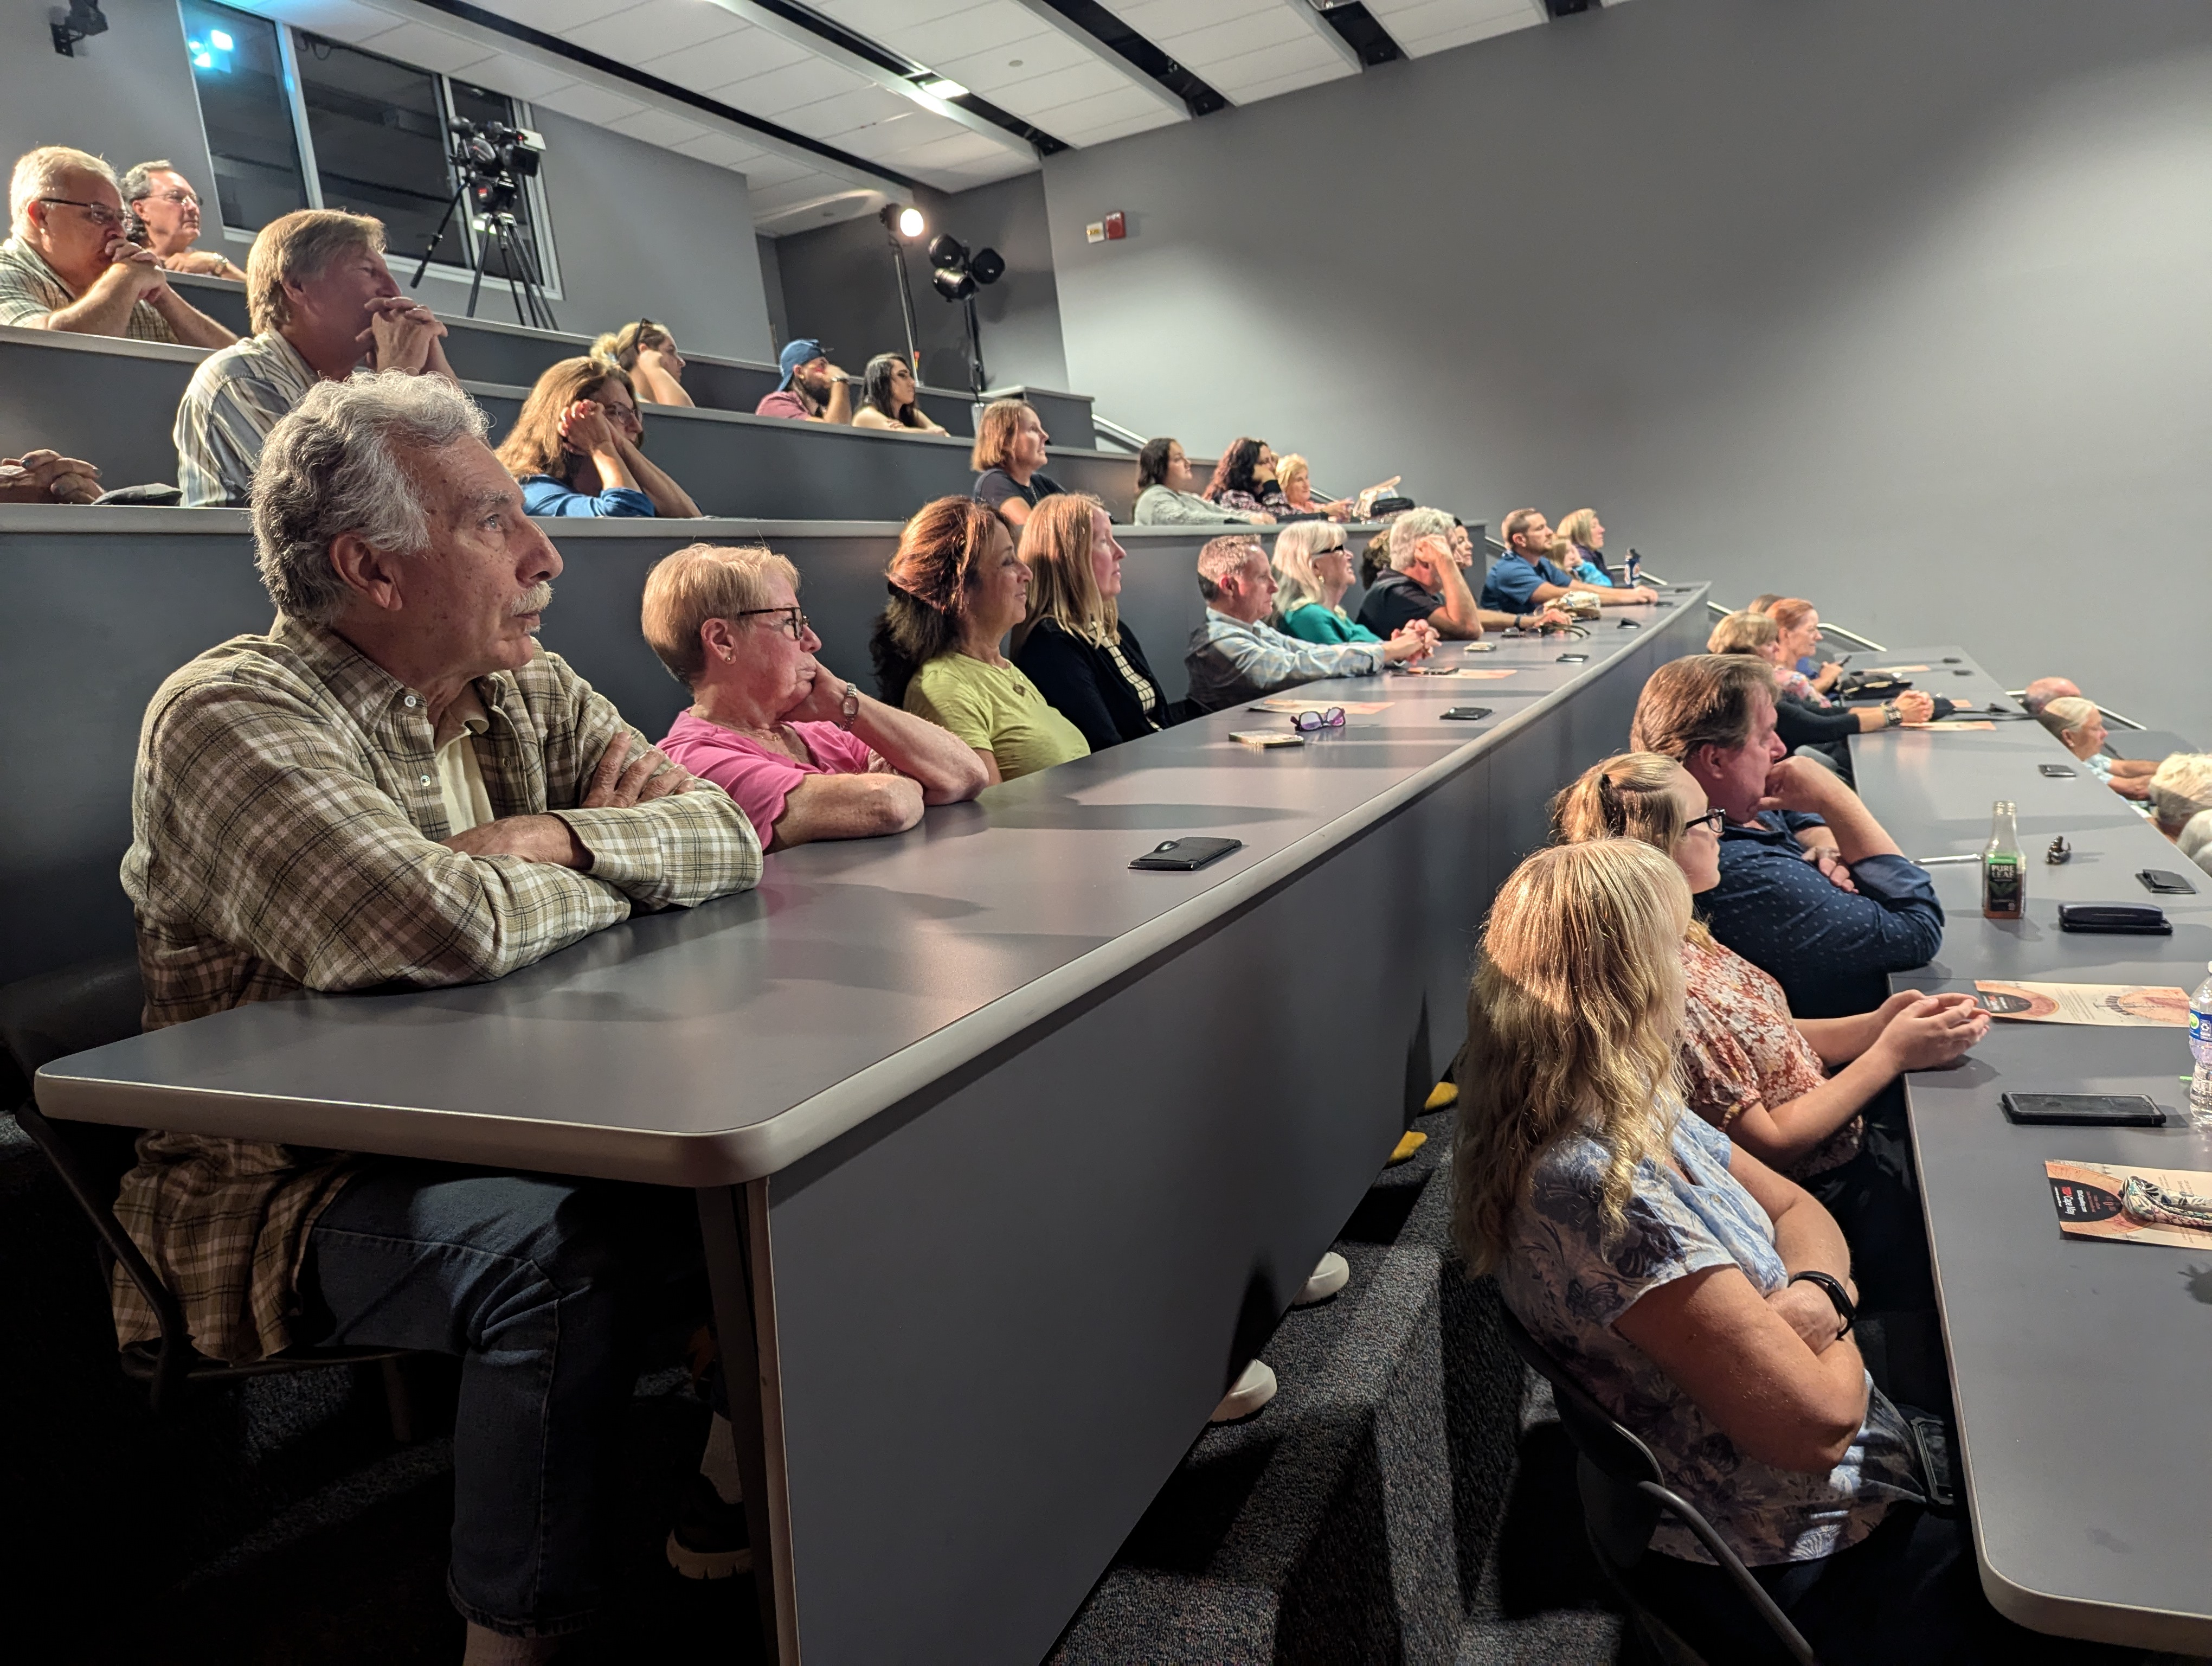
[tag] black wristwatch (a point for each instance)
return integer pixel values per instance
(1846, 1310)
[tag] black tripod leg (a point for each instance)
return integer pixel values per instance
(436, 238)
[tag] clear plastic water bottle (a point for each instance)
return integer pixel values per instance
(2200, 1048)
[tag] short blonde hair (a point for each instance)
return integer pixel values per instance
(994, 433)
(1743, 632)
(1289, 464)
(2069, 711)
(295, 247)
(1572, 1019)
(40, 173)
(1296, 547)
(703, 582)
(2181, 787)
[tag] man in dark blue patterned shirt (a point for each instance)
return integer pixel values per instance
(1813, 890)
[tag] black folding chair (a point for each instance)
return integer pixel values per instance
(51, 1016)
(1624, 1494)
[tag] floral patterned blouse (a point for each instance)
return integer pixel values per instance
(1568, 1280)
(1795, 682)
(1740, 1046)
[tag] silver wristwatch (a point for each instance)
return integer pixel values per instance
(1892, 714)
(849, 710)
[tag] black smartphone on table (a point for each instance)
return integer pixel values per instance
(1182, 855)
(1465, 714)
(2126, 1111)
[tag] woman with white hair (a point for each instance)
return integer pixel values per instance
(1313, 569)
(2181, 804)
(1702, 1299)
(2080, 730)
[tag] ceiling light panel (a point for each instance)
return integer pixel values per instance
(1422, 27)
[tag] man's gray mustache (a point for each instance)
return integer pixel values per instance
(536, 600)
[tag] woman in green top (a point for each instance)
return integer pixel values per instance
(1313, 569)
(958, 588)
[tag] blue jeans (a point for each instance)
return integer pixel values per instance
(545, 1288)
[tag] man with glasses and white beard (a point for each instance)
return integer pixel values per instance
(68, 266)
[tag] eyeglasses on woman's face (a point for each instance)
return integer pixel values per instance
(1310, 722)
(1713, 819)
(789, 620)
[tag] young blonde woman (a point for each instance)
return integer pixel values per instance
(578, 447)
(1686, 1285)
(1313, 569)
(1579, 546)
(1074, 645)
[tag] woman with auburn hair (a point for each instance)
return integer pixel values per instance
(578, 447)
(1074, 645)
(1799, 622)
(1810, 725)
(648, 352)
(1244, 478)
(956, 588)
(1700, 1296)
(1313, 569)
(1584, 536)
(1009, 458)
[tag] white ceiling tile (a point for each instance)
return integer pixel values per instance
(1039, 100)
(556, 16)
(336, 20)
(856, 106)
(426, 48)
(777, 168)
(1430, 26)
(744, 52)
(518, 78)
(589, 103)
(1283, 59)
(882, 20)
(723, 150)
(654, 126)
(1161, 21)
(655, 29)
(1000, 26)
(1094, 121)
(789, 87)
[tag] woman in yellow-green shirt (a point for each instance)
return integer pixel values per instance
(958, 588)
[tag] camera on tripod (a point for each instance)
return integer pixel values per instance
(490, 161)
(495, 159)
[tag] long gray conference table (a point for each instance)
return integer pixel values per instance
(2080, 1369)
(1007, 1157)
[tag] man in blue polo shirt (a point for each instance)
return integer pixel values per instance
(1813, 890)
(1525, 576)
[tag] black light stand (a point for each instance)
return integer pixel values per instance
(892, 216)
(956, 273)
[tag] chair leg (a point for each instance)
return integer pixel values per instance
(399, 1403)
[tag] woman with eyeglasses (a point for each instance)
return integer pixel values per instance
(1763, 1076)
(958, 586)
(804, 753)
(1313, 569)
(578, 448)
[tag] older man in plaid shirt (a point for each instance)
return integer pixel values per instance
(396, 785)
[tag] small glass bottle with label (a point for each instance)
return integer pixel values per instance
(2004, 872)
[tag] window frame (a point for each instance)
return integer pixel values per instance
(533, 188)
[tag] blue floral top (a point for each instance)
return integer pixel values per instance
(1568, 1289)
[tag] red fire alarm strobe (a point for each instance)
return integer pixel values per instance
(1116, 227)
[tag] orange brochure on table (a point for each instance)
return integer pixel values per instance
(2111, 1006)
(1351, 708)
(1952, 725)
(2172, 1206)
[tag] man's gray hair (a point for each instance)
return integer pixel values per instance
(336, 463)
(1411, 527)
(137, 183)
(41, 172)
(2181, 787)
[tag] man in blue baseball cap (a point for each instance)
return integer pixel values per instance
(813, 390)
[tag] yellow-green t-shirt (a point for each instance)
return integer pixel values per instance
(995, 710)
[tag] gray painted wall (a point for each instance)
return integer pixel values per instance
(637, 229)
(1898, 306)
(838, 285)
(772, 283)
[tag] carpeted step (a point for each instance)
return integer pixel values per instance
(1353, 1519)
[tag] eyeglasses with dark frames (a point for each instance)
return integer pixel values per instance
(1715, 818)
(99, 213)
(1309, 722)
(792, 624)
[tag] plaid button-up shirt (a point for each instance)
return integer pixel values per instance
(285, 822)
(229, 405)
(1230, 662)
(29, 287)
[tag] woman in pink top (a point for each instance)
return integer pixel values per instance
(805, 753)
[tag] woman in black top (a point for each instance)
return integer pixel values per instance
(1009, 461)
(1073, 646)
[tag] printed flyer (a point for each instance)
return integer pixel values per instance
(2118, 1006)
(2172, 1206)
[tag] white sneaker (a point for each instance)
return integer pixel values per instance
(1254, 1389)
(1330, 1275)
